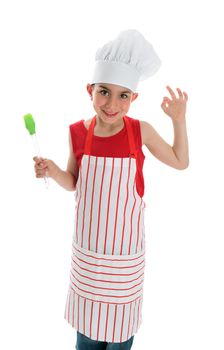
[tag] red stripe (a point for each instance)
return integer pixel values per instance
(73, 316)
(99, 207)
(133, 318)
(66, 308)
(143, 231)
(138, 314)
(74, 307)
(78, 313)
(91, 318)
(69, 307)
(116, 215)
(84, 209)
(122, 323)
(107, 316)
(108, 207)
(87, 284)
(105, 302)
(115, 317)
(95, 279)
(90, 224)
(77, 212)
(129, 320)
(138, 226)
(105, 273)
(129, 249)
(107, 259)
(105, 295)
(99, 316)
(84, 315)
(108, 266)
(124, 215)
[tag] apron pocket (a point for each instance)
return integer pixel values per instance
(107, 278)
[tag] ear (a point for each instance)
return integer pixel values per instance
(90, 90)
(134, 96)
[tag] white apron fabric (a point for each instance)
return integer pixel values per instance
(105, 296)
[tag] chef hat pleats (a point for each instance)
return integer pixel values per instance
(125, 61)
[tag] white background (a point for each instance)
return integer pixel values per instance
(47, 51)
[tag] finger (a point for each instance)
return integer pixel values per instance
(185, 95)
(45, 165)
(166, 99)
(40, 172)
(40, 165)
(39, 175)
(45, 161)
(164, 107)
(38, 160)
(171, 92)
(179, 93)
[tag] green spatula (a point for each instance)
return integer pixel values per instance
(30, 125)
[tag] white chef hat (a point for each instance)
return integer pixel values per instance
(126, 60)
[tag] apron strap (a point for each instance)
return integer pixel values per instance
(88, 143)
(131, 140)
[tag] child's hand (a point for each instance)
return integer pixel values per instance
(175, 107)
(45, 167)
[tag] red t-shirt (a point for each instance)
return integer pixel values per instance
(110, 146)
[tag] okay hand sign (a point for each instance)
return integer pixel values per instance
(175, 107)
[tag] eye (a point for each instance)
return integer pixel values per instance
(102, 92)
(126, 96)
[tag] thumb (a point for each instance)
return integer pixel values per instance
(38, 159)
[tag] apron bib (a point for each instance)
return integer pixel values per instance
(105, 296)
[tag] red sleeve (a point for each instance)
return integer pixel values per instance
(78, 139)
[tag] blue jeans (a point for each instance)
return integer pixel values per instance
(85, 343)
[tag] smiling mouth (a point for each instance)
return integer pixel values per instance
(110, 114)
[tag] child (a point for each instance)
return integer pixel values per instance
(105, 296)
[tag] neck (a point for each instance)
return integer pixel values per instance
(108, 127)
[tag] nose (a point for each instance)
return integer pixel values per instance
(111, 104)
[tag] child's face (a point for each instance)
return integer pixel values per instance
(111, 102)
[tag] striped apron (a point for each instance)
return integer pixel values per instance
(105, 296)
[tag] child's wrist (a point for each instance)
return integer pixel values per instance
(56, 173)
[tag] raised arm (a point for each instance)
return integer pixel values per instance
(175, 156)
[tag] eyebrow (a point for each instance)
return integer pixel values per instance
(122, 92)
